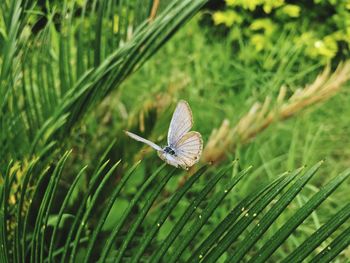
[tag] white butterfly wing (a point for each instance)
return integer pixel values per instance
(180, 124)
(189, 148)
(188, 151)
(140, 139)
(170, 159)
(187, 145)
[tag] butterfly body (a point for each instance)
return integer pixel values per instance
(169, 150)
(184, 146)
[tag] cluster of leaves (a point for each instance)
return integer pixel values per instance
(35, 231)
(52, 74)
(52, 79)
(320, 28)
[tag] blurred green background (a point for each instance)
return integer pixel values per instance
(76, 74)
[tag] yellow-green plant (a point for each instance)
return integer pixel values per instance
(320, 28)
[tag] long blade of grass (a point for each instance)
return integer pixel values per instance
(98, 32)
(89, 209)
(249, 216)
(192, 207)
(229, 220)
(141, 216)
(106, 211)
(272, 215)
(5, 212)
(164, 215)
(71, 189)
(333, 249)
(19, 246)
(136, 199)
(45, 205)
(157, 34)
(320, 235)
(61, 212)
(79, 214)
(3, 250)
(46, 213)
(205, 216)
(60, 250)
(278, 238)
(32, 211)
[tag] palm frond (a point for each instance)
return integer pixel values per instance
(236, 235)
(94, 52)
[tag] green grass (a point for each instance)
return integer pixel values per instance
(217, 88)
(202, 68)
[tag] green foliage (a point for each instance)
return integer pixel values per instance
(89, 65)
(60, 65)
(134, 235)
(320, 29)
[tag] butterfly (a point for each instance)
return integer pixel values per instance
(184, 146)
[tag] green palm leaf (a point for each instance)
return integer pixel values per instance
(228, 236)
(92, 60)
